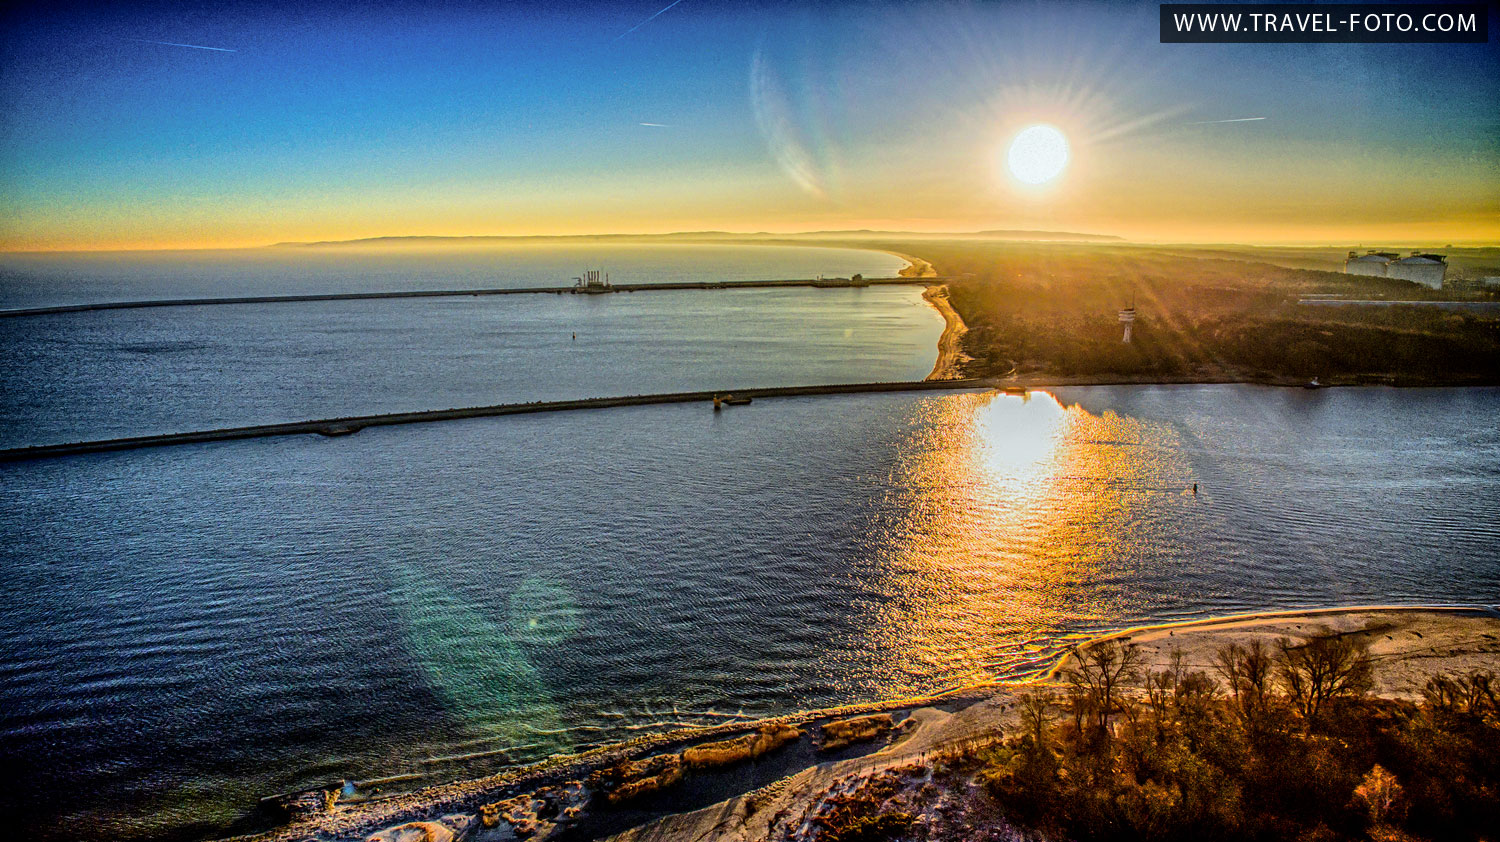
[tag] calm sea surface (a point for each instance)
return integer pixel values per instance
(190, 628)
(115, 373)
(41, 280)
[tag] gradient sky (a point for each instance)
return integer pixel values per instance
(527, 118)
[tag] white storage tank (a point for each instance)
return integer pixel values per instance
(1425, 269)
(1370, 263)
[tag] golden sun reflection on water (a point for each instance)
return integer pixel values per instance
(1020, 513)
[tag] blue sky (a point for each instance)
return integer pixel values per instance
(403, 118)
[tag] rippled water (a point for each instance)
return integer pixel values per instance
(190, 628)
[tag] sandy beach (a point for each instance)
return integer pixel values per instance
(1408, 644)
(951, 357)
(916, 266)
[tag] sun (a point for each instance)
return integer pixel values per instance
(1038, 154)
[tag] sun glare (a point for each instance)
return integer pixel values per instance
(1038, 154)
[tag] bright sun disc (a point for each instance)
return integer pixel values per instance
(1038, 154)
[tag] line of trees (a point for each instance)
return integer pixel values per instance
(1273, 741)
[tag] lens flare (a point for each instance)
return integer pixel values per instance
(796, 108)
(1038, 154)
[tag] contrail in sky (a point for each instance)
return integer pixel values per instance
(646, 21)
(196, 47)
(657, 125)
(1235, 120)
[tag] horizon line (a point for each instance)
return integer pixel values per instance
(1061, 237)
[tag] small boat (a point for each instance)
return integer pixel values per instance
(734, 401)
(1312, 384)
(332, 430)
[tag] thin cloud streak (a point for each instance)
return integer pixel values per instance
(190, 46)
(646, 21)
(1234, 120)
(657, 125)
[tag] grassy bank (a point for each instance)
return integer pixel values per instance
(1038, 311)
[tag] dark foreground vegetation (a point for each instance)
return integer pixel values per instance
(1294, 748)
(1279, 742)
(1052, 310)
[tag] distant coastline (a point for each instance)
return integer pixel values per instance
(725, 237)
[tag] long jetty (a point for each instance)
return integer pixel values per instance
(353, 424)
(820, 283)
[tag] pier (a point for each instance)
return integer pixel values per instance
(353, 424)
(816, 283)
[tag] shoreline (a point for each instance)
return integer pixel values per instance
(978, 708)
(1407, 645)
(950, 355)
(916, 267)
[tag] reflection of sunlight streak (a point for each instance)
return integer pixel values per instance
(1022, 513)
(1017, 441)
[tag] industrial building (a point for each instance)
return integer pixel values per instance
(1418, 267)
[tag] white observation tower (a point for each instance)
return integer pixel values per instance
(1127, 318)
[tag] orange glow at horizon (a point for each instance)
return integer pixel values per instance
(1163, 193)
(1484, 232)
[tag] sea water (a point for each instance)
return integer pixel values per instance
(190, 628)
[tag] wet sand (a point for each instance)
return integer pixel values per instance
(1410, 644)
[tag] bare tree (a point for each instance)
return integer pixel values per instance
(1248, 672)
(1193, 701)
(1101, 671)
(1470, 694)
(1160, 688)
(1324, 667)
(1080, 706)
(1036, 713)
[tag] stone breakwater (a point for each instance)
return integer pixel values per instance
(817, 283)
(353, 424)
